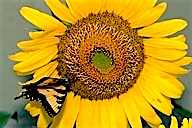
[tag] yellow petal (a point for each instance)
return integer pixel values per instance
(37, 60)
(84, 7)
(44, 120)
(41, 20)
(131, 111)
(109, 5)
(128, 9)
(46, 70)
(184, 61)
(37, 44)
(164, 54)
(121, 120)
(174, 123)
(141, 7)
(103, 6)
(107, 118)
(136, 8)
(111, 115)
(119, 5)
(21, 56)
(95, 9)
(180, 38)
(93, 6)
(55, 74)
(85, 116)
(148, 17)
(177, 83)
(24, 73)
(74, 8)
(157, 72)
(115, 120)
(163, 29)
(169, 87)
(190, 123)
(104, 119)
(161, 126)
(61, 11)
(68, 114)
(43, 34)
(33, 108)
(116, 6)
(185, 123)
(165, 66)
(38, 34)
(95, 114)
(155, 98)
(146, 111)
(165, 43)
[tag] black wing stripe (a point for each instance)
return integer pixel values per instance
(60, 91)
(47, 106)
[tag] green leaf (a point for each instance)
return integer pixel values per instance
(166, 120)
(3, 118)
(181, 113)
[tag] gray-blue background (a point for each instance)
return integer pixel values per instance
(14, 28)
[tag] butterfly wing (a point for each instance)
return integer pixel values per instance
(51, 92)
(52, 98)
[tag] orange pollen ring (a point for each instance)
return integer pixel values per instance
(99, 75)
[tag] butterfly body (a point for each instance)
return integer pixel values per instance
(51, 92)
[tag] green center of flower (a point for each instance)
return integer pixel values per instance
(101, 61)
(102, 55)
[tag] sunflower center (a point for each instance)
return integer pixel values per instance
(102, 54)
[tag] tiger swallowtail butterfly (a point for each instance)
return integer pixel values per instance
(51, 92)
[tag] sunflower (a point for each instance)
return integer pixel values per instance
(124, 65)
(174, 124)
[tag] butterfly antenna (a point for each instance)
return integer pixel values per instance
(20, 96)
